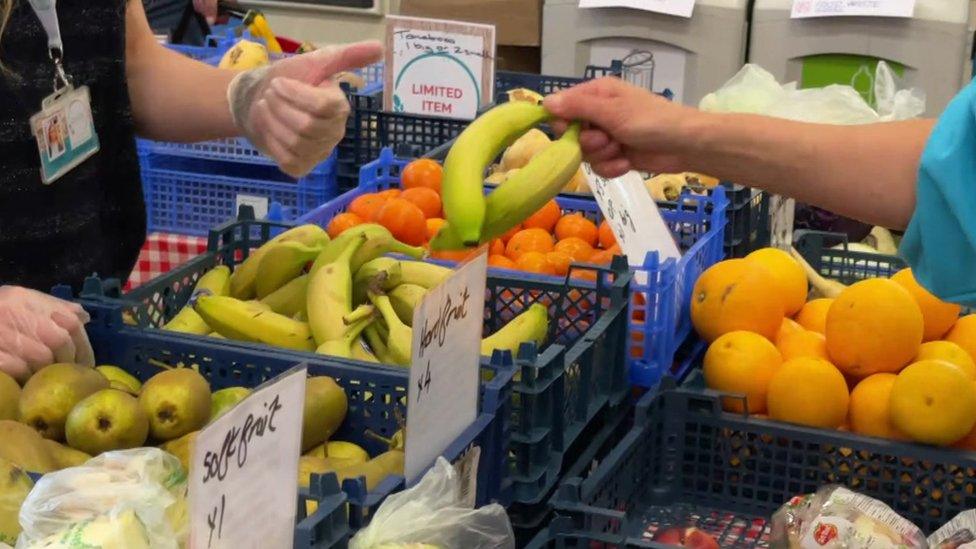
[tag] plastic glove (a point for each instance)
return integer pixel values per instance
(37, 329)
(293, 110)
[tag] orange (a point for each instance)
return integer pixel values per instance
(803, 343)
(932, 402)
(813, 315)
(873, 326)
(869, 412)
(949, 352)
(787, 327)
(510, 233)
(967, 442)
(404, 219)
(545, 218)
(497, 247)
(963, 333)
(734, 295)
(741, 363)
(426, 199)
(451, 255)
(534, 262)
(576, 248)
(366, 205)
(808, 391)
(389, 193)
(787, 274)
(937, 315)
(604, 257)
(422, 172)
(528, 240)
(559, 262)
(607, 238)
(501, 261)
(342, 222)
(434, 225)
(575, 225)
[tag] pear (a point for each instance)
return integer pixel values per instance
(64, 456)
(25, 448)
(325, 408)
(182, 448)
(339, 449)
(9, 396)
(107, 420)
(51, 393)
(225, 399)
(177, 402)
(14, 487)
(120, 379)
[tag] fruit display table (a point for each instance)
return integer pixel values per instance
(163, 252)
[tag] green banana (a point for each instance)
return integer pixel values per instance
(383, 244)
(405, 298)
(243, 321)
(343, 347)
(335, 247)
(216, 281)
(473, 151)
(400, 338)
(244, 279)
(330, 294)
(377, 344)
(282, 263)
(382, 272)
(423, 274)
(524, 192)
(361, 352)
(289, 300)
(531, 325)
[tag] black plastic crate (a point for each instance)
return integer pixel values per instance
(841, 264)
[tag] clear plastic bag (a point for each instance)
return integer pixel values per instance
(431, 515)
(145, 486)
(754, 90)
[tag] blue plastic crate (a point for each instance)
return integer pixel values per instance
(841, 264)
(377, 397)
(686, 462)
(660, 331)
(543, 84)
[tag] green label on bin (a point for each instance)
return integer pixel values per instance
(856, 71)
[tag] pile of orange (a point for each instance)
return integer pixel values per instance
(885, 358)
(546, 243)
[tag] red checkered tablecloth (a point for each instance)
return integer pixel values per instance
(163, 252)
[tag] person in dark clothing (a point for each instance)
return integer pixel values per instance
(91, 219)
(165, 15)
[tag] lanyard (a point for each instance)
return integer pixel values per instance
(46, 11)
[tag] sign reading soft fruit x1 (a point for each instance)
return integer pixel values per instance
(438, 68)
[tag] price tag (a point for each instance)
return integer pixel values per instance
(444, 370)
(633, 216)
(681, 8)
(439, 68)
(835, 8)
(243, 477)
(259, 203)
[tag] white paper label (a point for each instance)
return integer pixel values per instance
(259, 203)
(633, 216)
(444, 370)
(439, 68)
(681, 8)
(834, 8)
(244, 473)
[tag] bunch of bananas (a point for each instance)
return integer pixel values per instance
(352, 302)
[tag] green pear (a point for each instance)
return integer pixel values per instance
(51, 393)
(182, 448)
(107, 420)
(14, 487)
(120, 379)
(225, 399)
(65, 456)
(177, 402)
(25, 447)
(325, 408)
(9, 396)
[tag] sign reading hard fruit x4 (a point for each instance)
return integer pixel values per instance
(243, 470)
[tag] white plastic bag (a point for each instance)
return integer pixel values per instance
(754, 90)
(431, 515)
(145, 481)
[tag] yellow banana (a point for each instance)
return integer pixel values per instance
(532, 325)
(383, 272)
(524, 192)
(422, 274)
(216, 281)
(289, 300)
(258, 25)
(361, 352)
(343, 347)
(282, 263)
(377, 344)
(400, 339)
(329, 296)
(380, 245)
(365, 232)
(243, 280)
(405, 298)
(187, 321)
(244, 321)
(473, 151)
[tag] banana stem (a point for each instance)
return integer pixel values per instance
(359, 313)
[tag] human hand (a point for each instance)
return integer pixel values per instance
(293, 110)
(625, 127)
(37, 329)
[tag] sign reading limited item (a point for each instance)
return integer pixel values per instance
(439, 68)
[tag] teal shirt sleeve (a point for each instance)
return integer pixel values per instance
(940, 243)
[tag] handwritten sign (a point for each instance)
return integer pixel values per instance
(439, 68)
(834, 8)
(444, 370)
(681, 8)
(633, 216)
(244, 470)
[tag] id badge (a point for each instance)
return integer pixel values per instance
(65, 132)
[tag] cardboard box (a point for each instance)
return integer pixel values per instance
(519, 59)
(517, 22)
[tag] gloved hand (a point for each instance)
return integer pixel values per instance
(37, 329)
(293, 110)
